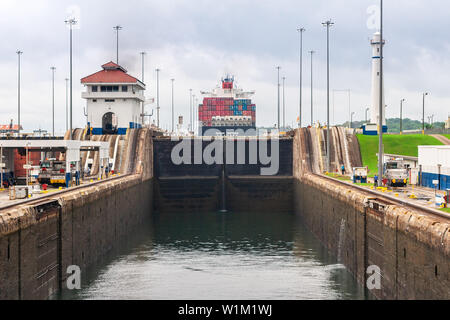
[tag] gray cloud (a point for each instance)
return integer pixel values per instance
(195, 42)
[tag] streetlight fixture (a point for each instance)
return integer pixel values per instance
(71, 22)
(278, 88)
(284, 105)
(351, 120)
(67, 102)
(328, 24)
(401, 115)
(19, 53)
(157, 97)
(117, 28)
(172, 80)
(423, 112)
(367, 109)
(300, 31)
(381, 106)
(53, 100)
(312, 52)
(142, 53)
(190, 111)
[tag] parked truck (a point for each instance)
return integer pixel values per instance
(395, 172)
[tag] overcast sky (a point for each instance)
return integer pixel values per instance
(198, 41)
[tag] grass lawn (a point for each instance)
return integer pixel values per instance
(405, 145)
(445, 210)
(446, 135)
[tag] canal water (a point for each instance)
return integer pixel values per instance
(219, 256)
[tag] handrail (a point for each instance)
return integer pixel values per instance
(59, 192)
(390, 198)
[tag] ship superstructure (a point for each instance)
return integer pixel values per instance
(227, 108)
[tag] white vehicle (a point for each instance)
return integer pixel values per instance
(395, 172)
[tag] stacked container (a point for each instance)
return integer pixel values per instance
(223, 106)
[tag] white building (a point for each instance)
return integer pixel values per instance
(372, 127)
(113, 99)
(435, 165)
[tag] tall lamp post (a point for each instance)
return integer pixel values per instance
(157, 97)
(53, 100)
(278, 88)
(71, 22)
(190, 110)
(172, 80)
(328, 24)
(117, 28)
(142, 53)
(423, 112)
(312, 52)
(284, 105)
(300, 31)
(19, 53)
(401, 115)
(381, 106)
(67, 102)
(351, 120)
(367, 109)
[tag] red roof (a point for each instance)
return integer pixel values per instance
(111, 73)
(15, 127)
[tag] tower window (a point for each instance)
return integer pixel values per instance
(124, 88)
(94, 89)
(109, 100)
(94, 100)
(109, 88)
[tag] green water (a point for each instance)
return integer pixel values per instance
(219, 256)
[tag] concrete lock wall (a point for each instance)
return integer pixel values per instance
(39, 241)
(412, 250)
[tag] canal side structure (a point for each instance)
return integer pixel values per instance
(39, 242)
(407, 249)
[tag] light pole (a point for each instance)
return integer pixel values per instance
(423, 112)
(401, 115)
(351, 120)
(53, 100)
(117, 28)
(312, 52)
(328, 24)
(172, 80)
(193, 113)
(18, 91)
(190, 110)
(157, 97)
(381, 106)
(278, 88)
(142, 53)
(284, 106)
(367, 109)
(300, 31)
(67, 102)
(71, 22)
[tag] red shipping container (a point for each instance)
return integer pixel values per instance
(33, 157)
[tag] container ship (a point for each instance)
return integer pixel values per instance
(226, 109)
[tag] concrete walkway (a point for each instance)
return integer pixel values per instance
(442, 139)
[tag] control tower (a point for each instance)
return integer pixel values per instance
(372, 127)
